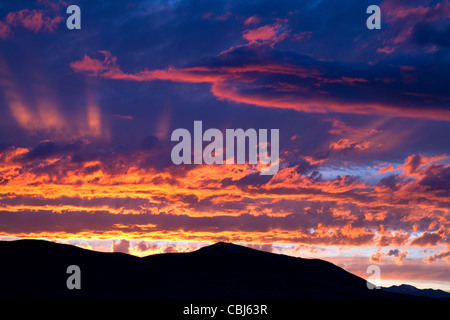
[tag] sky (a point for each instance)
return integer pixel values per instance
(86, 117)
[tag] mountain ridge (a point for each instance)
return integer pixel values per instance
(411, 290)
(36, 269)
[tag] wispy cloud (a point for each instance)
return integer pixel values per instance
(306, 88)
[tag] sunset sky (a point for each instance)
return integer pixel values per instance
(86, 118)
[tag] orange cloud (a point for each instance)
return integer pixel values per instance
(385, 169)
(426, 239)
(415, 163)
(121, 197)
(445, 255)
(347, 144)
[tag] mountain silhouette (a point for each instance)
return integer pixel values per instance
(36, 269)
(411, 290)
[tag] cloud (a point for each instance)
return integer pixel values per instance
(387, 238)
(385, 169)
(377, 257)
(143, 246)
(5, 30)
(121, 246)
(413, 25)
(347, 144)
(398, 255)
(348, 208)
(96, 67)
(106, 194)
(311, 87)
(261, 247)
(429, 35)
(35, 20)
(445, 255)
(430, 175)
(412, 163)
(170, 249)
(437, 177)
(252, 20)
(47, 149)
(267, 34)
(122, 117)
(426, 239)
(410, 21)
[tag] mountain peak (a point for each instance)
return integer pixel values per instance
(224, 247)
(231, 249)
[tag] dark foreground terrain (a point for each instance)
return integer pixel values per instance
(35, 269)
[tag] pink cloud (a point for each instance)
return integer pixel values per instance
(242, 83)
(267, 34)
(403, 16)
(416, 163)
(108, 68)
(387, 237)
(347, 144)
(252, 20)
(301, 36)
(123, 117)
(95, 66)
(224, 17)
(339, 127)
(5, 30)
(387, 49)
(426, 239)
(396, 10)
(34, 20)
(398, 256)
(122, 246)
(385, 169)
(445, 255)
(55, 5)
(377, 257)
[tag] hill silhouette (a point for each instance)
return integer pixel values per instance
(411, 290)
(36, 269)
